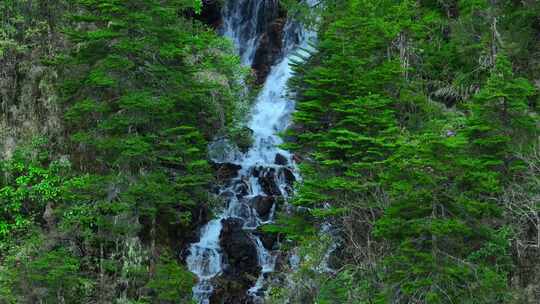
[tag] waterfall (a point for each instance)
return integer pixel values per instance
(265, 171)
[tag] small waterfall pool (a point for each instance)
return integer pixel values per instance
(264, 171)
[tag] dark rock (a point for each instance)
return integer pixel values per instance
(238, 248)
(241, 189)
(214, 188)
(288, 176)
(267, 180)
(263, 205)
(282, 261)
(200, 215)
(228, 291)
(227, 171)
(297, 158)
(256, 171)
(241, 264)
(269, 49)
(337, 256)
(227, 195)
(267, 239)
(211, 14)
(280, 160)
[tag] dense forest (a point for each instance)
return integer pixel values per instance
(414, 151)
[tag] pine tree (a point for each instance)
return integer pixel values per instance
(501, 114)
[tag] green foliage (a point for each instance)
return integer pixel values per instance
(412, 183)
(500, 114)
(56, 270)
(34, 272)
(293, 228)
(410, 115)
(172, 282)
(440, 197)
(29, 182)
(152, 87)
(144, 86)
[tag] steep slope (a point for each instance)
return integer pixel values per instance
(99, 206)
(414, 118)
(232, 259)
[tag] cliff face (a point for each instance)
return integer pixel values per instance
(28, 101)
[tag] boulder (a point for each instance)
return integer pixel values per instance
(211, 14)
(269, 49)
(239, 250)
(288, 175)
(241, 189)
(263, 204)
(267, 239)
(267, 180)
(228, 291)
(241, 263)
(227, 171)
(222, 150)
(256, 171)
(280, 160)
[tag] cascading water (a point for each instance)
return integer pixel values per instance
(265, 171)
(245, 21)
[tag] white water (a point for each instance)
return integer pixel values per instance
(244, 22)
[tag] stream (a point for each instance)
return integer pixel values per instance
(264, 175)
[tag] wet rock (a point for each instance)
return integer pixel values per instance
(241, 209)
(280, 160)
(241, 189)
(256, 171)
(288, 176)
(200, 215)
(229, 292)
(214, 188)
(211, 13)
(267, 239)
(336, 258)
(227, 195)
(223, 150)
(282, 261)
(269, 50)
(227, 171)
(239, 250)
(241, 263)
(263, 205)
(267, 180)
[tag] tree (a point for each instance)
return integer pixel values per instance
(441, 198)
(500, 114)
(172, 282)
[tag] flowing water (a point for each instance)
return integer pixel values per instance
(265, 170)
